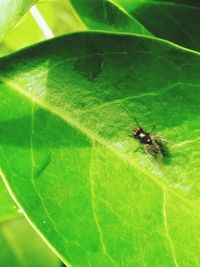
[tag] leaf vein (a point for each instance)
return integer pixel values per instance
(96, 219)
(166, 228)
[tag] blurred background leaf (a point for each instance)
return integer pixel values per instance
(21, 247)
(10, 13)
(60, 17)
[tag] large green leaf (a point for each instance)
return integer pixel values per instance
(10, 12)
(21, 247)
(107, 16)
(67, 107)
(174, 20)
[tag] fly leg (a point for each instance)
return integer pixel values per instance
(153, 129)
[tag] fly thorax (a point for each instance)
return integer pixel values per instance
(142, 135)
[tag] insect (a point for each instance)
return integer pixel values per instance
(149, 142)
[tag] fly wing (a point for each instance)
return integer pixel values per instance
(155, 149)
(158, 142)
(153, 154)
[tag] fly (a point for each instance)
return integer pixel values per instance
(148, 141)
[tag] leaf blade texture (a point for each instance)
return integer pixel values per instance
(66, 156)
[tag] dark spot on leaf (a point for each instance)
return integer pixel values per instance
(90, 66)
(42, 167)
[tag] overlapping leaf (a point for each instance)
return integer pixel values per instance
(107, 16)
(177, 21)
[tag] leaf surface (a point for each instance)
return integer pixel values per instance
(10, 12)
(67, 108)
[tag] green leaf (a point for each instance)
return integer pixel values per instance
(21, 247)
(107, 16)
(10, 12)
(67, 158)
(177, 21)
(8, 209)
